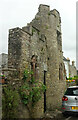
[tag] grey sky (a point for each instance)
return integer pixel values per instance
(17, 13)
(77, 35)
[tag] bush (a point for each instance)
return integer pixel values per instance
(10, 101)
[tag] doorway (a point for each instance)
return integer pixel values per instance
(44, 92)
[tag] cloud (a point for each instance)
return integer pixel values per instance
(17, 13)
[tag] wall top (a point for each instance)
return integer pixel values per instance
(43, 7)
(55, 12)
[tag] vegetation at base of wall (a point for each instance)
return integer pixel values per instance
(31, 90)
(10, 102)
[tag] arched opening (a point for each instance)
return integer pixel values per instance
(34, 64)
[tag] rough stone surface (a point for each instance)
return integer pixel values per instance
(3, 61)
(41, 38)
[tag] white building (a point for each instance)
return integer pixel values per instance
(67, 66)
(70, 69)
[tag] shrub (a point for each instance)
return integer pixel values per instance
(10, 101)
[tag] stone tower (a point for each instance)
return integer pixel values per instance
(41, 39)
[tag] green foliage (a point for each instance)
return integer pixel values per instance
(27, 74)
(31, 91)
(74, 78)
(46, 27)
(33, 30)
(10, 101)
(70, 78)
(2, 75)
(48, 13)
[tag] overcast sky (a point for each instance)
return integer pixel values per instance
(17, 13)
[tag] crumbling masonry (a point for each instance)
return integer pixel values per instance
(40, 40)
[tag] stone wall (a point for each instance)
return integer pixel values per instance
(49, 23)
(3, 60)
(41, 39)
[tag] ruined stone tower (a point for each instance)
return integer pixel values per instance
(42, 39)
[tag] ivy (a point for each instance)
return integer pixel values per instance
(27, 74)
(31, 91)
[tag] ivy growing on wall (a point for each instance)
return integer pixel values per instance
(30, 93)
(31, 90)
